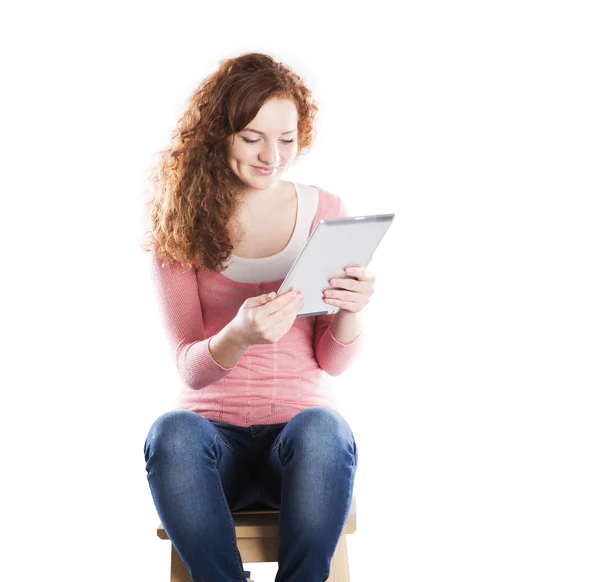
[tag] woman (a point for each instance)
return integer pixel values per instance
(256, 423)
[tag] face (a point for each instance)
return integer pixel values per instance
(269, 141)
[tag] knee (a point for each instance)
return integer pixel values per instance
(171, 431)
(321, 427)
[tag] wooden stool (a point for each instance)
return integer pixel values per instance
(257, 534)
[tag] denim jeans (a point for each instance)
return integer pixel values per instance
(199, 471)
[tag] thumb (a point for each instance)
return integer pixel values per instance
(263, 299)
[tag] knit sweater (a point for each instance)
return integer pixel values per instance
(271, 382)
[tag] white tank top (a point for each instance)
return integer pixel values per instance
(276, 267)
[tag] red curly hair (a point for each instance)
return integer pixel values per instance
(194, 189)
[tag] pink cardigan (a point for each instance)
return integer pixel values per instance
(271, 382)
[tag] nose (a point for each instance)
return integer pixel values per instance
(269, 156)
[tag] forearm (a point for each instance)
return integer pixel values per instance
(346, 326)
(226, 348)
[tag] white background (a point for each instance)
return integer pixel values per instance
(475, 402)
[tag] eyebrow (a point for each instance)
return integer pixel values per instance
(261, 133)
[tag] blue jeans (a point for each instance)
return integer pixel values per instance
(199, 471)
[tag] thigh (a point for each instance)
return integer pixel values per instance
(319, 436)
(179, 438)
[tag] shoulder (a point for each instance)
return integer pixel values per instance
(331, 204)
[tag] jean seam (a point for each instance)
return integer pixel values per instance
(264, 431)
(222, 440)
(276, 442)
(228, 510)
(224, 443)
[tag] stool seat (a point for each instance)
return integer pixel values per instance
(257, 535)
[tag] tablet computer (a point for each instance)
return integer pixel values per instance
(334, 245)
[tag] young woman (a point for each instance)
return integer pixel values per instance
(256, 422)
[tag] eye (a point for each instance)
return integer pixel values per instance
(257, 140)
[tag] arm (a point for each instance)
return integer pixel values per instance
(335, 356)
(197, 365)
(225, 348)
(346, 326)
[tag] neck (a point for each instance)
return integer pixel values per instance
(253, 195)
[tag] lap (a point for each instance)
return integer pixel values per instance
(250, 460)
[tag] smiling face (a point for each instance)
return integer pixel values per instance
(269, 141)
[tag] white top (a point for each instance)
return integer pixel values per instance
(275, 267)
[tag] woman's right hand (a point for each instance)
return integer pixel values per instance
(266, 319)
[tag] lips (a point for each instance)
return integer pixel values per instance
(262, 171)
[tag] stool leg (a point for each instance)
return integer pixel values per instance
(339, 570)
(179, 573)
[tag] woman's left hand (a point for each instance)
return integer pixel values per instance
(356, 291)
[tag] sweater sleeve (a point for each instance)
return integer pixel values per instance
(332, 356)
(182, 315)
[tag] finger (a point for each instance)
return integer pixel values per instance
(354, 272)
(341, 295)
(276, 304)
(291, 307)
(350, 284)
(360, 273)
(282, 327)
(279, 302)
(347, 305)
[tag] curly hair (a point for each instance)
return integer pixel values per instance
(194, 190)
